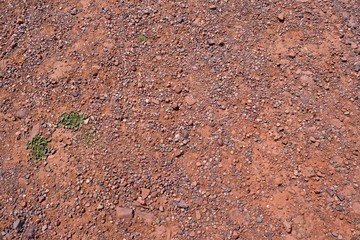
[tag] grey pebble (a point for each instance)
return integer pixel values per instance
(18, 224)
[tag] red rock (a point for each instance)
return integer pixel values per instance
(356, 207)
(155, 101)
(22, 113)
(212, 7)
(35, 130)
(288, 226)
(336, 123)
(281, 17)
(178, 89)
(147, 217)
(124, 212)
(182, 204)
(178, 152)
(308, 172)
(145, 193)
(198, 215)
(95, 70)
(190, 100)
(175, 106)
(211, 42)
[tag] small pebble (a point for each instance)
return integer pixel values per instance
(281, 17)
(100, 207)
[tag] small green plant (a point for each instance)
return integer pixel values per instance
(71, 120)
(38, 147)
(141, 38)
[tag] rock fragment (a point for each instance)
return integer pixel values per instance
(124, 212)
(288, 226)
(145, 192)
(34, 131)
(190, 100)
(281, 17)
(22, 113)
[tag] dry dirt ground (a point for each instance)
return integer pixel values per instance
(232, 119)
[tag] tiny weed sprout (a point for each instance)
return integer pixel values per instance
(141, 38)
(39, 148)
(71, 120)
